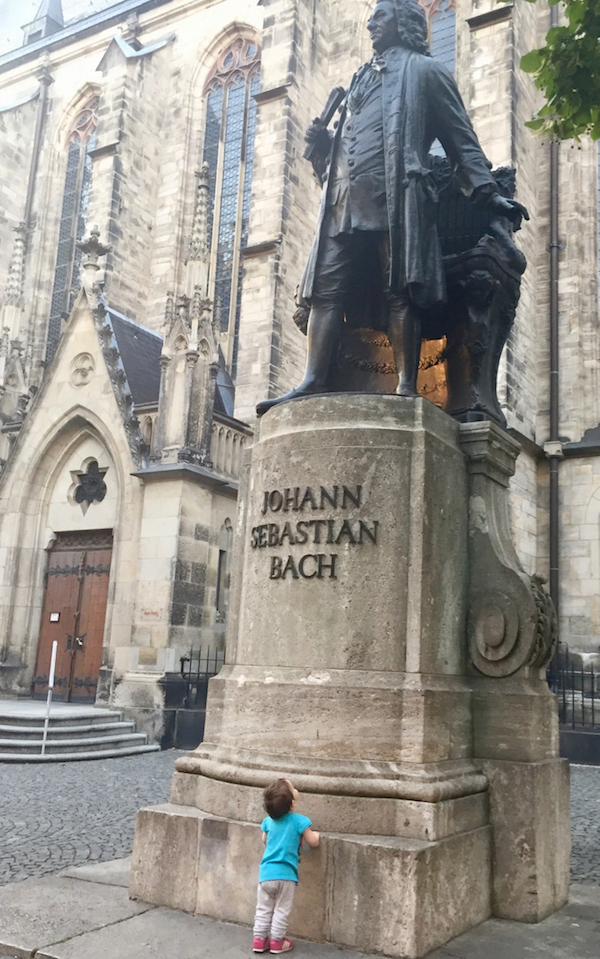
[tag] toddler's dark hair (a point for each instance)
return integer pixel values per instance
(278, 798)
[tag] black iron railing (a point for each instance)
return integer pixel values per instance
(576, 684)
(196, 669)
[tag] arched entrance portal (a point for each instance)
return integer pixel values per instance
(81, 515)
(74, 610)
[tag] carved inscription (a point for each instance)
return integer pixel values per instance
(278, 531)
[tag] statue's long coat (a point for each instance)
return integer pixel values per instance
(420, 102)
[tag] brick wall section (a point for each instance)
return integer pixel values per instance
(133, 120)
(193, 618)
(578, 291)
(580, 554)
(17, 129)
(523, 511)
(499, 99)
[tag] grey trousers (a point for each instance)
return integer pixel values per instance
(273, 906)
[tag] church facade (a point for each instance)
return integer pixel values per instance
(155, 217)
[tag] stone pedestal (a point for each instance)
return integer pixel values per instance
(511, 631)
(348, 671)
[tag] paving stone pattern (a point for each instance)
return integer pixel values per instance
(61, 815)
(67, 814)
(585, 818)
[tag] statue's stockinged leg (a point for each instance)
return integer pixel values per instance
(335, 265)
(324, 328)
(404, 331)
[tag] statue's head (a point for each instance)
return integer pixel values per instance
(398, 23)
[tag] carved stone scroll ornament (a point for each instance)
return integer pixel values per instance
(511, 623)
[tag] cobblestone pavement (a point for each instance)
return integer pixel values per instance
(585, 817)
(67, 814)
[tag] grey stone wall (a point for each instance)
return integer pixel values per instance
(127, 170)
(17, 128)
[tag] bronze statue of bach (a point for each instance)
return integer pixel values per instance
(379, 197)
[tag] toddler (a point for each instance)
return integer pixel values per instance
(282, 832)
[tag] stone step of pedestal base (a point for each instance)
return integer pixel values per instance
(391, 895)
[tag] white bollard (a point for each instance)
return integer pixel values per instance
(49, 697)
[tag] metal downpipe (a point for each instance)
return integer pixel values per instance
(555, 454)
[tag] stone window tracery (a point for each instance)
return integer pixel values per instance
(91, 487)
(441, 20)
(441, 28)
(75, 202)
(230, 111)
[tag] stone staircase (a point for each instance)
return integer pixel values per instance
(74, 733)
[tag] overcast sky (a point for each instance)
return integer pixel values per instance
(16, 13)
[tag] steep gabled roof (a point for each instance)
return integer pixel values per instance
(140, 350)
(225, 391)
(48, 20)
(52, 9)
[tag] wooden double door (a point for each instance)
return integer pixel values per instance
(74, 613)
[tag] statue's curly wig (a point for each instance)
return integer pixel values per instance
(412, 26)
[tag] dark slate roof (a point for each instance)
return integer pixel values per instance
(140, 349)
(225, 391)
(51, 9)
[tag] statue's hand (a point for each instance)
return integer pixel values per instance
(511, 209)
(317, 136)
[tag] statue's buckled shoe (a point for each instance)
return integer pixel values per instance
(298, 393)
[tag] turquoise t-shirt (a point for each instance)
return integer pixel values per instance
(282, 851)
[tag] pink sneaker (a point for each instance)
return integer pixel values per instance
(260, 945)
(280, 945)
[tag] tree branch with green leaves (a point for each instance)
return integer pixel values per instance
(567, 71)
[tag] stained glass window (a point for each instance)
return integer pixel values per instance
(442, 32)
(75, 202)
(229, 152)
(441, 21)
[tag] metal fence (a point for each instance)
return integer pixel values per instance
(576, 685)
(196, 669)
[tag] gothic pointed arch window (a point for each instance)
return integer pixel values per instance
(75, 201)
(230, 111)
(441, 29)
(441, 21)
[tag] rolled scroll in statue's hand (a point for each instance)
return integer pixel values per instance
(318, 128)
